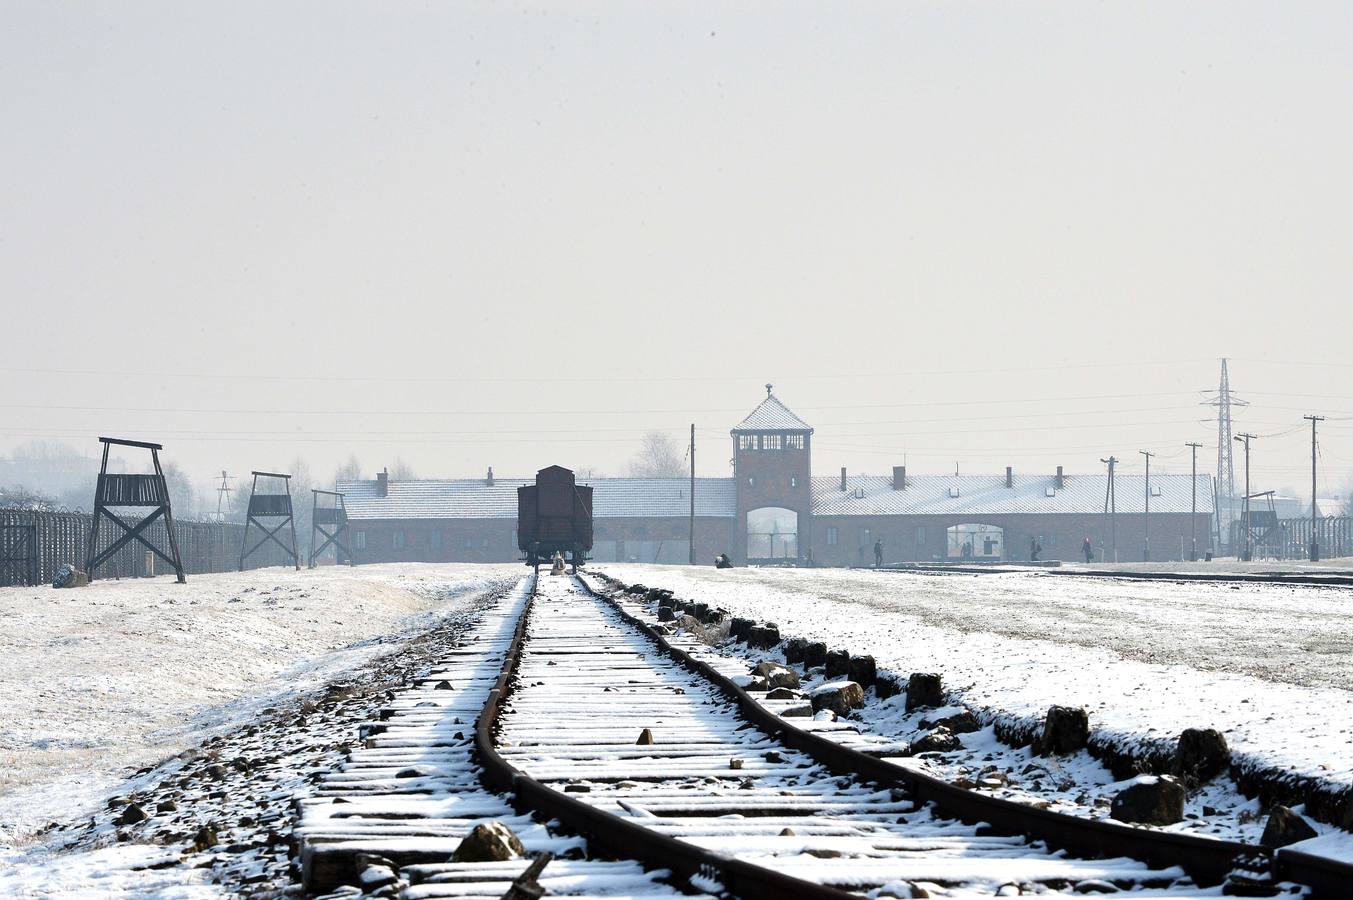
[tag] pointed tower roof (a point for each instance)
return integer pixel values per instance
(772, 415)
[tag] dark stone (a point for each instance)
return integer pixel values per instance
(959, 723)
(699, 610)
(1066, 729)
(763, 637)
(778, 676)
(1155, 802)
(665, 614)
(490, 842)
(814, 655)
(740, 628)
(781, 693)
(166, 806)
(216, 772)
(887, 686)
(1200, 756)
(940, 740)
(715, 617)
(794, 650)
(205, 838)
(863, 671)
(131, 814)
(838, 663)
(645, 737)
(1285, 827)
(840, 698)
(924, 689)
(636, 589)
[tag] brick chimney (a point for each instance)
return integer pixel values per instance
(1009, 476)
(383, 483)
(1060, 478)
(489, 478)
(843, 478)
(899, 478)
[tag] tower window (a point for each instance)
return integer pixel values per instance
(751, 481)
(771, 442)
(833, 536)
(746, 442)
(794, 441)
(793, 481)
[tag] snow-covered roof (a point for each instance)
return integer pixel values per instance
(873, 495)
(772, 415)
(475, 498)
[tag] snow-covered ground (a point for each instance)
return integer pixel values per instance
(103, 680)
(1267, 665)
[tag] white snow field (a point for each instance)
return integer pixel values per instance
(1267, 665)
(102, 680)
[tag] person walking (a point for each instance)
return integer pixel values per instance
(878, 554)
(1088, 550)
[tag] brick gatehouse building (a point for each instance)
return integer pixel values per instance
(774, 510)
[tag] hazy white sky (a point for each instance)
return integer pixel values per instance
(974, 234)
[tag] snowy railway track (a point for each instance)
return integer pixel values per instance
(553, 705)
(587, 686)
(412, 793)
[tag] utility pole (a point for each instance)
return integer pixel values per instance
(1193, 512)
(1146, 540)
(1111, 507)
(692, 541)
(1315, 542)
(1248, 550)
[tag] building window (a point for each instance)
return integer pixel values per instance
(793, 481)
(794, 441)
(751, 481)
(920, 536)
(832, 536)
(746, 442)
(359, 540)
(771, 442)
(397, 540)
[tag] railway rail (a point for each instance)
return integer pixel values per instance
(568, 710)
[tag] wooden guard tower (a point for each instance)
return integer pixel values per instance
(276, 507)
(126, 490)
(330, 523)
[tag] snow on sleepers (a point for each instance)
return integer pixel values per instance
(578, 712)
(412, 793)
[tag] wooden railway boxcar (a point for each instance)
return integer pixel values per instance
(554, 515)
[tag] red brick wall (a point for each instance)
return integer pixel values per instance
(772, 478)
(494, 540)
(1060, 535)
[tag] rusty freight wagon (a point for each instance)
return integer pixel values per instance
(554, 515)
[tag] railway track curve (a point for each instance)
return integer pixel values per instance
(586, 716)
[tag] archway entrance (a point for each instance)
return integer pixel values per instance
(772, 533)
(976, 541)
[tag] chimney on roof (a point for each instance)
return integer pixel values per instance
(843, 478)
(383, 483)
(1009, 476)
(899, 478)
(1060, 478)
(489, 479)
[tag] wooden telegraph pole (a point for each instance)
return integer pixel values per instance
(1315, 542)
(1111, 507)
(1248, 550)
(1146, 540)
(1193, 513)
(692, 541)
